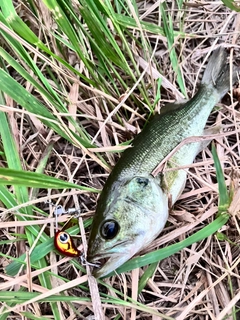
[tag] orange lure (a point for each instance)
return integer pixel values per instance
(63, 242)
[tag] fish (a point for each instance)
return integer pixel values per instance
(134, 205)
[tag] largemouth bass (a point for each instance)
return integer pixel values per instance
(133, 207)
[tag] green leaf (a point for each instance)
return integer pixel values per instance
(224, 199)
(148, 273)
(169, 32)
(36, 180)
(232, 4)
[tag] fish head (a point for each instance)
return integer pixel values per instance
(129, 215)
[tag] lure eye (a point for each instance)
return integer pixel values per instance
(64, 237)
(109, 229)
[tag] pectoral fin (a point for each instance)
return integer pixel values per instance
(209, 132)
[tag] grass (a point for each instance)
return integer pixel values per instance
(78, 80)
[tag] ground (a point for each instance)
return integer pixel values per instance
(79, 79)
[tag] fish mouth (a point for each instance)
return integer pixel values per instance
(98, 263)
(105, 263)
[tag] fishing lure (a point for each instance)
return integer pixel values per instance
(63, 242)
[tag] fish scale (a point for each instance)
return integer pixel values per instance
(144, 157)
(133, 206)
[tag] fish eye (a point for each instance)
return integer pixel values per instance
(109, 229)
(64, 237)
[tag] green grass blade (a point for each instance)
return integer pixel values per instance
(224, 199)
(169, 32)
(97, 25)
(232, 4)
(9, 201)
(36, 180)
(17, 296)
(67, 28)
(148, 273)
(42, 165)
(31, 316)
(30, 103)
(21, 192)
(16, 23)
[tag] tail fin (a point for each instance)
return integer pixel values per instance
(217, 72)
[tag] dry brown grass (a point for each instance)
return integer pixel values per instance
(201, 282)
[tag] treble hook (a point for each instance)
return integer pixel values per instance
(84, 262)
